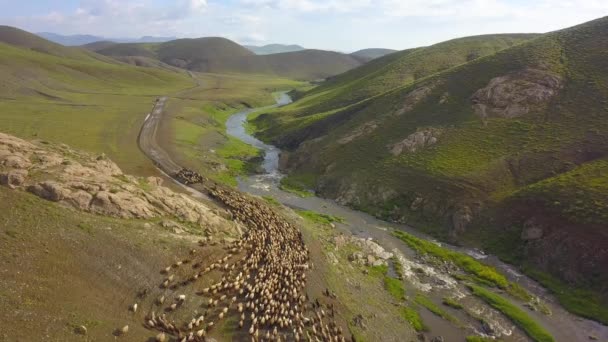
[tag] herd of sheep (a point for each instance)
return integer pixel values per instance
(258, 281)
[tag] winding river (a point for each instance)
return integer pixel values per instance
(561, 324)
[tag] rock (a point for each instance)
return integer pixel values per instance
(413, 98)
(359, 321)
(421, 337)
(16, 161)
(416, 141)
(370, 260)
(362, 130)
(515, 94)
(532, 230)
(488, 328)
(49, 190)
(81, 330)
(80, 199)
(156, 181)
(13, 178)
(437, 339)
(461, 219)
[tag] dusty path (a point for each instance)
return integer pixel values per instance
(148, 143)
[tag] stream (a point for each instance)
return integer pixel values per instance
(436, 283)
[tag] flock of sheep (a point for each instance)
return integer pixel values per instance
(260, 282)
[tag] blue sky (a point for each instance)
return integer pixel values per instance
(344, 25)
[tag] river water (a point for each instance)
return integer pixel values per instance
(561, 324)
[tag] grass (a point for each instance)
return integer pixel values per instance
(298, 184)
(424, 301)
(271, 200)
(550, 160)
(474, 338)
(578, 300)
(413, 318)
(394, 287)
(515, 314)
(319, 218)
(465, 262)
(448, 301)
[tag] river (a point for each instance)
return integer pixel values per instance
(561, 324)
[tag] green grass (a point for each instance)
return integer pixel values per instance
(452, 303)
(319, 218)
(394, 287)
(271, 200)
(465, 262)
(578, 300)
(413, 318)
(426, 302)
(298, 184)
(515, 314)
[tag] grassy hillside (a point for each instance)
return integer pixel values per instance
(397, 69)
(220, 55)
(74, 96)
(369, 54)
(504, 151)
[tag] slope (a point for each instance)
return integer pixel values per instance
(369, 54)
(394, 70)
(273, 48)
(220, 55)
(77, 96)
(504, 152)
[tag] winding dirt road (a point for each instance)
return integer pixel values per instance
(148, 143)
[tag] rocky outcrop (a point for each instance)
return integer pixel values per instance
(413, 98)
(416, 141)
(362, 130)
(97, 185)
(516, 94)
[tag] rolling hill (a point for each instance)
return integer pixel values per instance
(220, 55)
(75, 96)
(273, 48)
(369, 54)
(506, 151)
(396, 69)
(83, 39)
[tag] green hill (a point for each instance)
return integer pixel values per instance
(75, 96)
(273, 48)
(404, 67)
(369, 54)
(220, 55)
(507, 152)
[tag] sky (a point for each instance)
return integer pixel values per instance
(342, 25)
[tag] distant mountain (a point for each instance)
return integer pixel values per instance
(83, 39)
(273, 48)
(369, 54)
(72, 40)
(220, 55)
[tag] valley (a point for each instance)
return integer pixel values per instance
(197, 189)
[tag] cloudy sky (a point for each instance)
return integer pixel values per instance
(344, 25)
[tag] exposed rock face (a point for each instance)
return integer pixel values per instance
(516, 94)
(97, 185)
(532, 230)
(460, 219)
(413, 98)
(416, 141)
(362, 130)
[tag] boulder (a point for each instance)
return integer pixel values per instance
(416, 141)
(13, 178)
(50, 190)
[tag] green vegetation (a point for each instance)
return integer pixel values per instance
(451, 303)
(578, 300)
(465, 262)
(424, 301)
(271, 200)
(297, 185)
(518, 316)
(413, 317)
(546, 165)
(394, 287)
(318, 218)
(220, 55)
